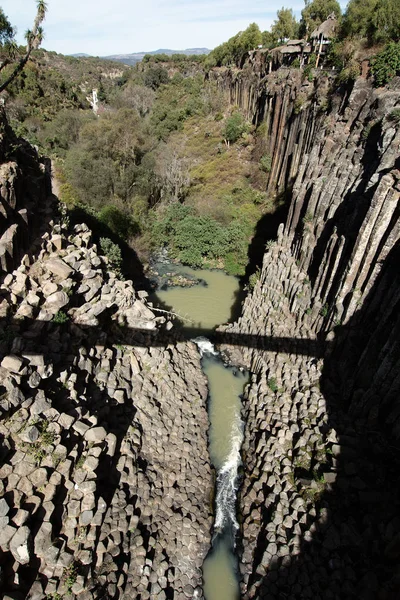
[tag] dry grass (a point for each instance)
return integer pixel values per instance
(215, 170)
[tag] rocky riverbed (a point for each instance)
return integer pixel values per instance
(105, 481)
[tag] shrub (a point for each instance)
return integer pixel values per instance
(324, 310)
(193, 238)
(235, 126)
(299, 103)
(60, 318)
(254, 277)
(350, 73)
(266, 163)
(394, 116)
(272, 384)
(308, 73)
(386, 64)
(119, 222)
(113, 253)
(68, 195)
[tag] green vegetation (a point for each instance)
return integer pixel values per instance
(234, 128)
(386, 64)
(194, 239)
(13, 59)
(179, 59)
(155, 76)
(375, 20)
(113, 253)
(39, 449)
(324, 310)
(253, 279)
(70, 576)
(232, 51)
(167, 161)
(315, 12)
(286, 25)
(272, 384)
(60, 318)
(394, 116)
(266, 163)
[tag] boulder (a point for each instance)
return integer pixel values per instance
(20, 545)
(58, 267)
(30, 434)
(56, 301)
(4, 508)
(12, 363)
(95, 434)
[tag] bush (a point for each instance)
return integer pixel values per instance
(299, 103)
(60, 318)
(192, 238)
(394, 116)
(266, 163)
(155, 76)
(272, 384)
(308, 73)
(235, 126)
(113, 253)
(254, 277)
(117, 221)
(386, 64)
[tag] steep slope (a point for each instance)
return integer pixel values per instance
(319, 499)
(105, 480)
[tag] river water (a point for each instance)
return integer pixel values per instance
(208, 306)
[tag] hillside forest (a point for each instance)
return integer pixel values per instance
(166, 160)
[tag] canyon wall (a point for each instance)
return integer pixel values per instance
(105, 483)
(25, 187)
(319, 499)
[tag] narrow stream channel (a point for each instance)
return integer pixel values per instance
(208, 306)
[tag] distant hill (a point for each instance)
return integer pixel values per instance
(132, 59)
(80, 55)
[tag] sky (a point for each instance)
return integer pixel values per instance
(103, 27)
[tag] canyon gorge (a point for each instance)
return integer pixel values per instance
(107, 489)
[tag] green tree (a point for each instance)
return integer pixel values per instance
(101, 93)
(315, 12)
(358, 18)
(7, 33)
(118, 221)
(268, 40)
(155, 76)
(232, 51)
(386, 21)
(251, 37)
(286, 25)
(11, 63)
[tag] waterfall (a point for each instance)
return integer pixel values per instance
(227, 474)
(227, 483)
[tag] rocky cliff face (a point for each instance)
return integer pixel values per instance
(105, 482)
(320, 499)
(25, 186)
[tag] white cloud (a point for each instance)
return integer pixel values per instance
(102, 27)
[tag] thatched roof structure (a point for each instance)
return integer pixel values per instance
(292, 47)
(326, 29)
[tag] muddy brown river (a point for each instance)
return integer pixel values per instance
(208, 306)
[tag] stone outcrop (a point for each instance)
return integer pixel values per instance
(319, 499)
(105, 483)
(24, 188)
